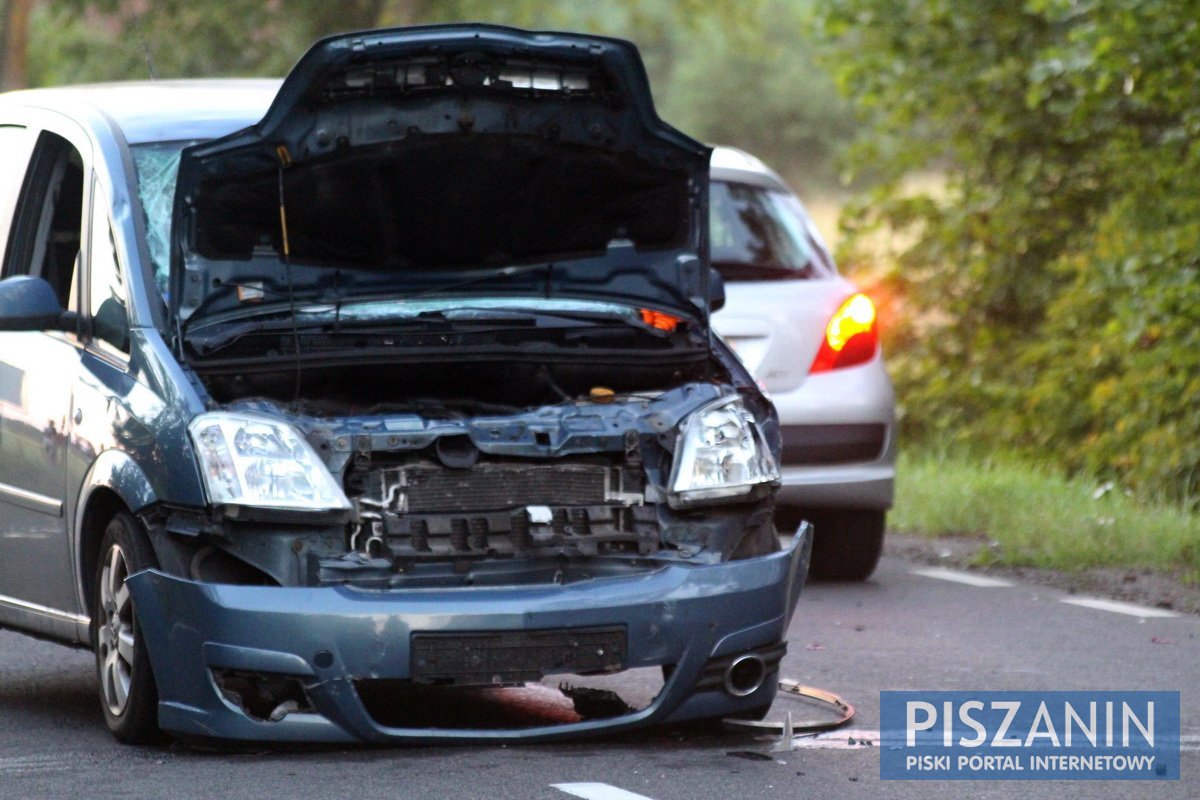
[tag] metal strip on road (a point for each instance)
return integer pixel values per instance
(598, 791)
(963, 577)
(844, 739)
(1118, 607)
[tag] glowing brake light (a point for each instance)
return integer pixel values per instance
(850, 337)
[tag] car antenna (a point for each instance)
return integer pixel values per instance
(285, 160)
(146, 54)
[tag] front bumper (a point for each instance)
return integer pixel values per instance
(680, 615)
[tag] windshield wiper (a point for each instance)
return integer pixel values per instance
(214, 335)
(309, 294)
(499, 272)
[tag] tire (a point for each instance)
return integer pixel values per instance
(847, 543)
(128, 695)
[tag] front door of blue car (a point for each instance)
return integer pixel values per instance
(43, 229)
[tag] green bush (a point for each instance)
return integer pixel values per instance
(1050, 290)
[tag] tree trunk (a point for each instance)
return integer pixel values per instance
(16, 38)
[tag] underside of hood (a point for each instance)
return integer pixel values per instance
(419, 160)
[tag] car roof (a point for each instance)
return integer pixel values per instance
(738, 166)
(158, 111)
(726, 157)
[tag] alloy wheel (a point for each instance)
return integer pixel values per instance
(116, 635)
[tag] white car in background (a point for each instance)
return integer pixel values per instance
(810, 338)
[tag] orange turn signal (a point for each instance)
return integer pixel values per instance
(659, 320)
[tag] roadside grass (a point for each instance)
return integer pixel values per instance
(1030, 515)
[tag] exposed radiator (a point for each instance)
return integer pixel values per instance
(491, 487)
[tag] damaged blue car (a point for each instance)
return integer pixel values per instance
(334, 408)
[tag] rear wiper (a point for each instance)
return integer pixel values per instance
(765, 269)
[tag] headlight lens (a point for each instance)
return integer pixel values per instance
(720, 453)
(257, 461)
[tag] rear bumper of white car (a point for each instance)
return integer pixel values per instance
(839, 433)
(843, 486)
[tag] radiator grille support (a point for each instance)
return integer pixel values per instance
(494, 487)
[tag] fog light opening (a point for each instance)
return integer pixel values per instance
(745, 675)
(262, 696)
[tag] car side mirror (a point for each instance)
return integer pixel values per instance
(716, 290)
(30, 304)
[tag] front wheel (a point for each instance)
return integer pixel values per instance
(128, 696)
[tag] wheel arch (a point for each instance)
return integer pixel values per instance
(114, 483)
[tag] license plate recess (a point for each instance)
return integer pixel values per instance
(509, 657)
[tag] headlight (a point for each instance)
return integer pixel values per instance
(720, 453)
(257, 461)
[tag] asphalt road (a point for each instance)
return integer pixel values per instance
(901, 630)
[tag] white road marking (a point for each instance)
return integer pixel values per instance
(597, 791)
(1118, 607)
(962, 577)
(10, 765)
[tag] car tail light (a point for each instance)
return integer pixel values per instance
(851, 336)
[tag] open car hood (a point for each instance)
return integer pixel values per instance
(423, 161)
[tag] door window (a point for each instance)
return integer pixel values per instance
(15, 144)
(47, 225)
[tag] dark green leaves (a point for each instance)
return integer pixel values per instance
(1050, 278)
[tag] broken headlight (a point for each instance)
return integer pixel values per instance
(257, 461)
(720, 454)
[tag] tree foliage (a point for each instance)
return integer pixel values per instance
(14, 34)
(113, 39)
(731, 71)
(756, 84)
(1051, 285)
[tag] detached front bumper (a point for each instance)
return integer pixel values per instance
(328, 637)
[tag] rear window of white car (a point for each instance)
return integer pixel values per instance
(759, 234)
